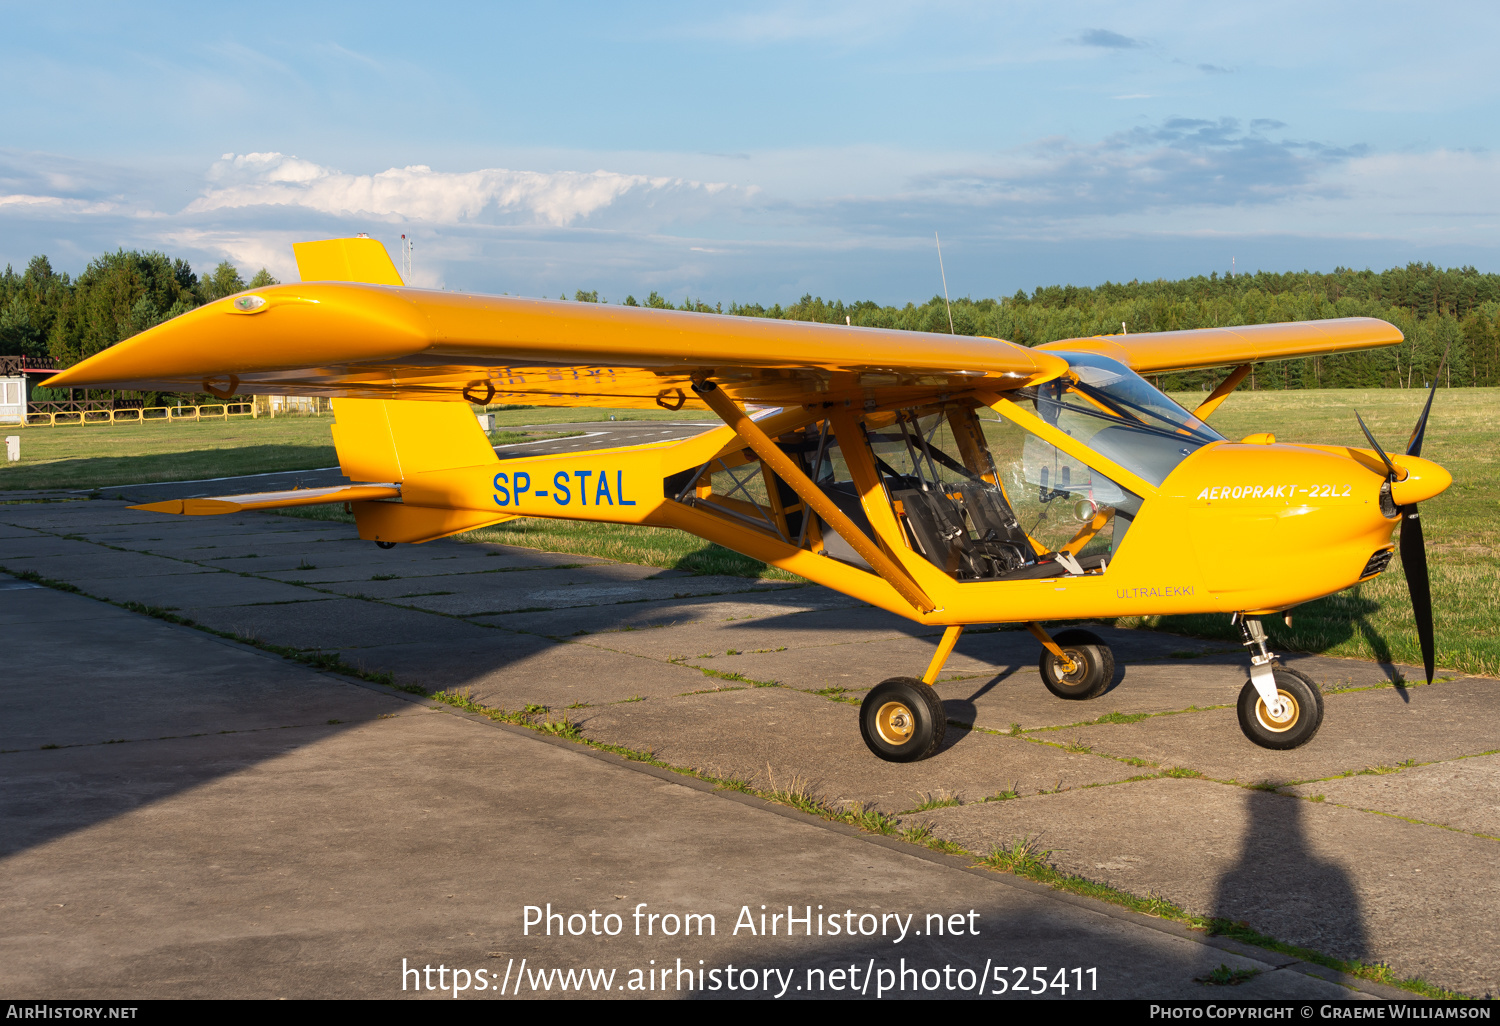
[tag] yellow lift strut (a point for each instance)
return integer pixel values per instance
(772, 456)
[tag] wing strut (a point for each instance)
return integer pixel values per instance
(1221, 393)
(772, 456)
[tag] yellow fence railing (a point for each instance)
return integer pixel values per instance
(150, 414)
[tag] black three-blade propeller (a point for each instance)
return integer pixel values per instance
(1413, 549)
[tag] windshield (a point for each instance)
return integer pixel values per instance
(1116, 412)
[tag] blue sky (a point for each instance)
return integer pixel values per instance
(755, 152)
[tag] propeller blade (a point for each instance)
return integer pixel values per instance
(1414, 445)
(1376, 446)
(1414, 562)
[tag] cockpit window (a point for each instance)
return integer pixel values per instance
(1116, 412)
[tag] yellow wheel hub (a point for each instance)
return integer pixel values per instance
(1289, 718)
(1070, 667)
(895, 723)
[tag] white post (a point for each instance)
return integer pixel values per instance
(13, 448)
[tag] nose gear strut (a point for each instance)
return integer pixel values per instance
(1262, 664)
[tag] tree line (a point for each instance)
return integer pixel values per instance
(52, 317)
(1453, 310)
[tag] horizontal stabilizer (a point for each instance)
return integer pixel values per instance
(273, 500)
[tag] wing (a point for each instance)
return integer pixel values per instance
(1160, 351)
(381, 341)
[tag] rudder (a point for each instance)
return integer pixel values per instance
(391, 440)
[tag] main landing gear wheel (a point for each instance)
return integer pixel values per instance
(1302, 717)
(385, 545)
(1093, 665)
(902, 720)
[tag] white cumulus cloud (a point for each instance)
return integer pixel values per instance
(418, 193)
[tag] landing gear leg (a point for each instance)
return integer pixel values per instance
(1278, 708)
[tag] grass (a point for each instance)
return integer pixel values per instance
(1227, 977)
(537, 717)
(89, 456)
(941, 800)
(1024, 856)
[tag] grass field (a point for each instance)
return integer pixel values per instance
(102, 455)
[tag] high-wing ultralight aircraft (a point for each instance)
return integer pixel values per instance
(949, 479)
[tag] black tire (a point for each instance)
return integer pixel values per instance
(902, 720)
(1307, 714)
(1094, 666)
(385, 545)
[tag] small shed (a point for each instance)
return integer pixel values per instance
(13, 400)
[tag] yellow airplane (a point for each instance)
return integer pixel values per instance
(949, 479)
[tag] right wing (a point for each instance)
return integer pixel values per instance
(1157, 352)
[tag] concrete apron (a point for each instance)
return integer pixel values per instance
(629, 667)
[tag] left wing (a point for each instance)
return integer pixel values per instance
(390, 342)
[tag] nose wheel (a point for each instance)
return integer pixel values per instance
(902, 720)
(1294, 723)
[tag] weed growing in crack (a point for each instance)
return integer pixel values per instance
(1023, 856)
(793, 792)
(1227, 977)
(870, 820)
(562, 727)
(941, 800)
(1119, 717)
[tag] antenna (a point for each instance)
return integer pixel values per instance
(945, 284)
